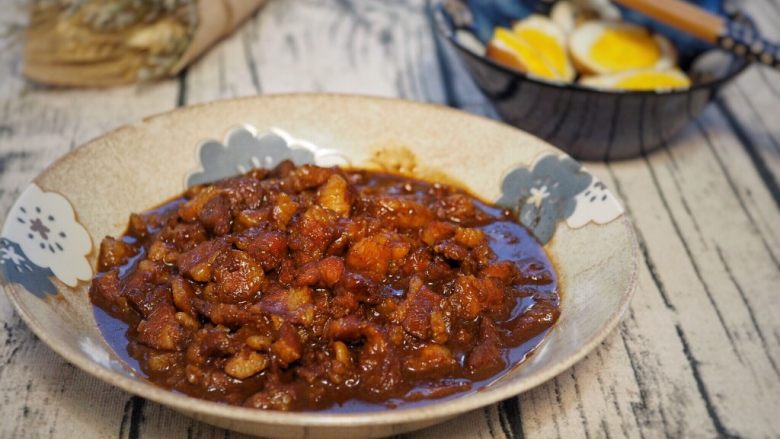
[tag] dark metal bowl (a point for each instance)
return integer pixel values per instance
(588, 124)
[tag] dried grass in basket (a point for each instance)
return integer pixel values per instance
(98, 43)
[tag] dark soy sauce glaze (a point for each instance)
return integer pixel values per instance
(465, 358)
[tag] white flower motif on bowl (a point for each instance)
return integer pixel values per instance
(44, 227)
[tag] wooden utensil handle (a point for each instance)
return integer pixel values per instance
(730, 35)
(680, 15)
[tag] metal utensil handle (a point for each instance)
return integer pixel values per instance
(747, 42)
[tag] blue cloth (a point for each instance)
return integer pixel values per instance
(491, 13)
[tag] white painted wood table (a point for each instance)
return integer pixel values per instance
(696, 356)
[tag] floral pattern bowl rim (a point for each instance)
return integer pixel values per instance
(324, 116)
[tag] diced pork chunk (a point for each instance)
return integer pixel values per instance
(197, 263)
(378, 254)
(161, 330)
(287, 348)
(334, 195)
(269, 248)
(113, 253)
(237, 277)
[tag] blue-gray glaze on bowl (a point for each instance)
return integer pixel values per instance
(588, 124)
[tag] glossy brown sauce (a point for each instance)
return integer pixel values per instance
(324, 289)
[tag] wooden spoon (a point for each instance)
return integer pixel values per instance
(731, 35)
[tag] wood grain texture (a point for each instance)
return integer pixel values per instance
(750, 106)
(698, 353)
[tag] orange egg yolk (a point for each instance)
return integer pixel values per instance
(547, 46)
(530, 58)
(652, 81)
(625, 49)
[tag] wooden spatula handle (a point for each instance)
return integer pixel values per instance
(680, 15)
(730, 35)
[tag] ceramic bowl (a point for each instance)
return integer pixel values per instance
(50, 237)
(589, 124)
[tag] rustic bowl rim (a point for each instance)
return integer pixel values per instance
(434, 410)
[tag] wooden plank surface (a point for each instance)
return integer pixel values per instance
(750, 107)
(698, 353)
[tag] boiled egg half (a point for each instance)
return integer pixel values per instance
(606, 47)
(535, 45)
(648, 79)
